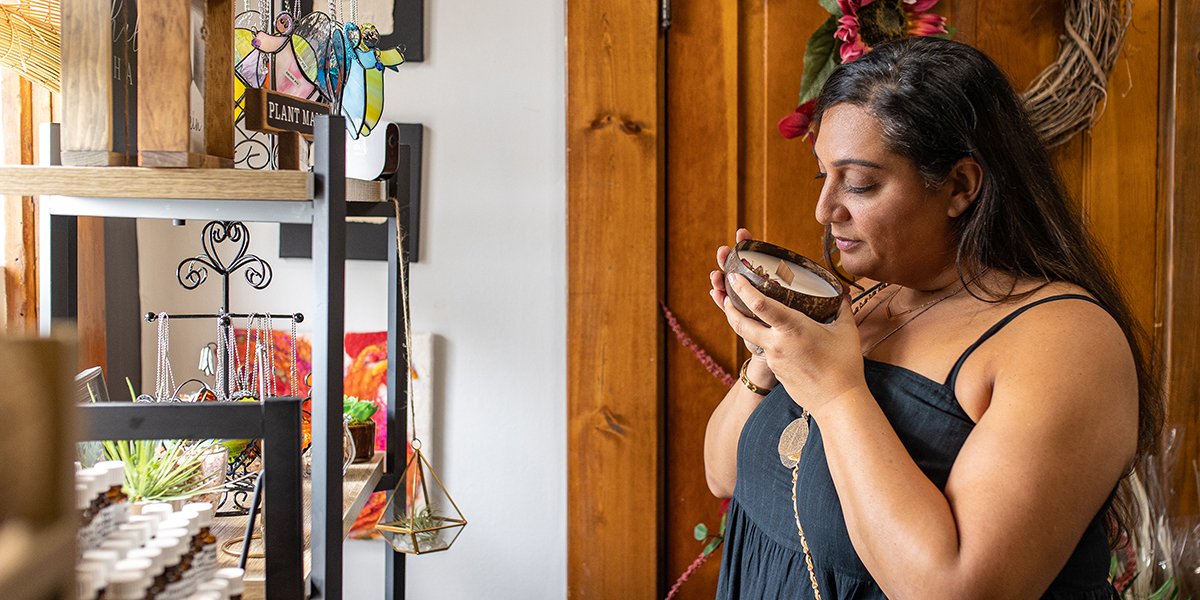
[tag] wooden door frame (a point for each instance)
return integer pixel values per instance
(1176, 317)
(615, 186)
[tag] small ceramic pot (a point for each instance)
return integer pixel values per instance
(364, 440)
(819, 308)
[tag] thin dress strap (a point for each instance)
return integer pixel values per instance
(953, 376)
(865, 292)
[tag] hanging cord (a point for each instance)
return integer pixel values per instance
(164, 379)
(403, 268)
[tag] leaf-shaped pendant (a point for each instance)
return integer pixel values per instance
(791, 441)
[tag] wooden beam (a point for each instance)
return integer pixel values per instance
(1179, 236)
(614, 270)
(20, 212)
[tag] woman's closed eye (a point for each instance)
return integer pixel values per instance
(858, 189)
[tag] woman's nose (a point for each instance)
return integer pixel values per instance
(829, 209)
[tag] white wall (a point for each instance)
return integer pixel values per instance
(491, 284)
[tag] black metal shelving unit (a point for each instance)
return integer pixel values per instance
(276, 420)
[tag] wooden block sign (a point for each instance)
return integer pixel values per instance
(185, 83)
(274, 112)
(288, 117)
(98, 91)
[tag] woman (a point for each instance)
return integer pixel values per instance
(973, 410)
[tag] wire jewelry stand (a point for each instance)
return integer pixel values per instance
(192, 273)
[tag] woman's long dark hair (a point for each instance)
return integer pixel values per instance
(939, 101)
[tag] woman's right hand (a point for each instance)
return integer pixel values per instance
(717, 278)
(757, 370)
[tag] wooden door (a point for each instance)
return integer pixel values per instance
(731, 71)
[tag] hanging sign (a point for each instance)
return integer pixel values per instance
(274, 112)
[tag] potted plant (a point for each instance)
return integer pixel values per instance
(362, 427)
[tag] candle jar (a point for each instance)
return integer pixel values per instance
(785, 276)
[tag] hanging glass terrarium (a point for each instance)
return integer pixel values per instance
(420, 517)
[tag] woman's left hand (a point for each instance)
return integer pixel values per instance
(815, 362)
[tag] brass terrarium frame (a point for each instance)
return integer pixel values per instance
(412, 522)
(416, 526)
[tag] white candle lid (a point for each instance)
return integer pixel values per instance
(214, 585)
(118, 545)
(140, 565)
(83, 496)
(175, 521)
(92, 569)
(114, 472)
(89, 579)
(206, 595)
(89, 482)
(104, 557)
(136, 539)
(155, 555)
(157, 508)
(235, 577)
(171, 547)
(204, 508)
(193, 520)
(152, 519)
(123, 585)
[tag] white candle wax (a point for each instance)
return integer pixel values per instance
(805, 281)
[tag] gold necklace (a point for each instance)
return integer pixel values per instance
(892, 315)
(923, 309)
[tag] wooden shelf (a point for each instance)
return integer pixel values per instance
(358, 485)
(188, 184)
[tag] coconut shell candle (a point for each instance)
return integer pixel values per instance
(785, 276)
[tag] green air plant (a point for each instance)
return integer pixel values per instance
(164, 470)
(359, 411)
(424, 525)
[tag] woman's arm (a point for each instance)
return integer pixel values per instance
(725, 424)
(725, 427)
(1059, 432)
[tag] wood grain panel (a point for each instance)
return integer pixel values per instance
(789, 190)
(92, 305)
(218, 85)
(87, 76)
(138, 182)
(701, 210)
(164, 26)
(20, 211)
(1180, 235)
(1119, 194)
(614, 368)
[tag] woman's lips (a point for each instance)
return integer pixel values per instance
(845, 245)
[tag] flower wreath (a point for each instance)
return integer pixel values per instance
(1065, 98)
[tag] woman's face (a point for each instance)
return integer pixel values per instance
(886, 224)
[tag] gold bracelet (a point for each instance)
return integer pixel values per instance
(750, 384)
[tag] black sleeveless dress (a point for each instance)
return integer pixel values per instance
(762, 557)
